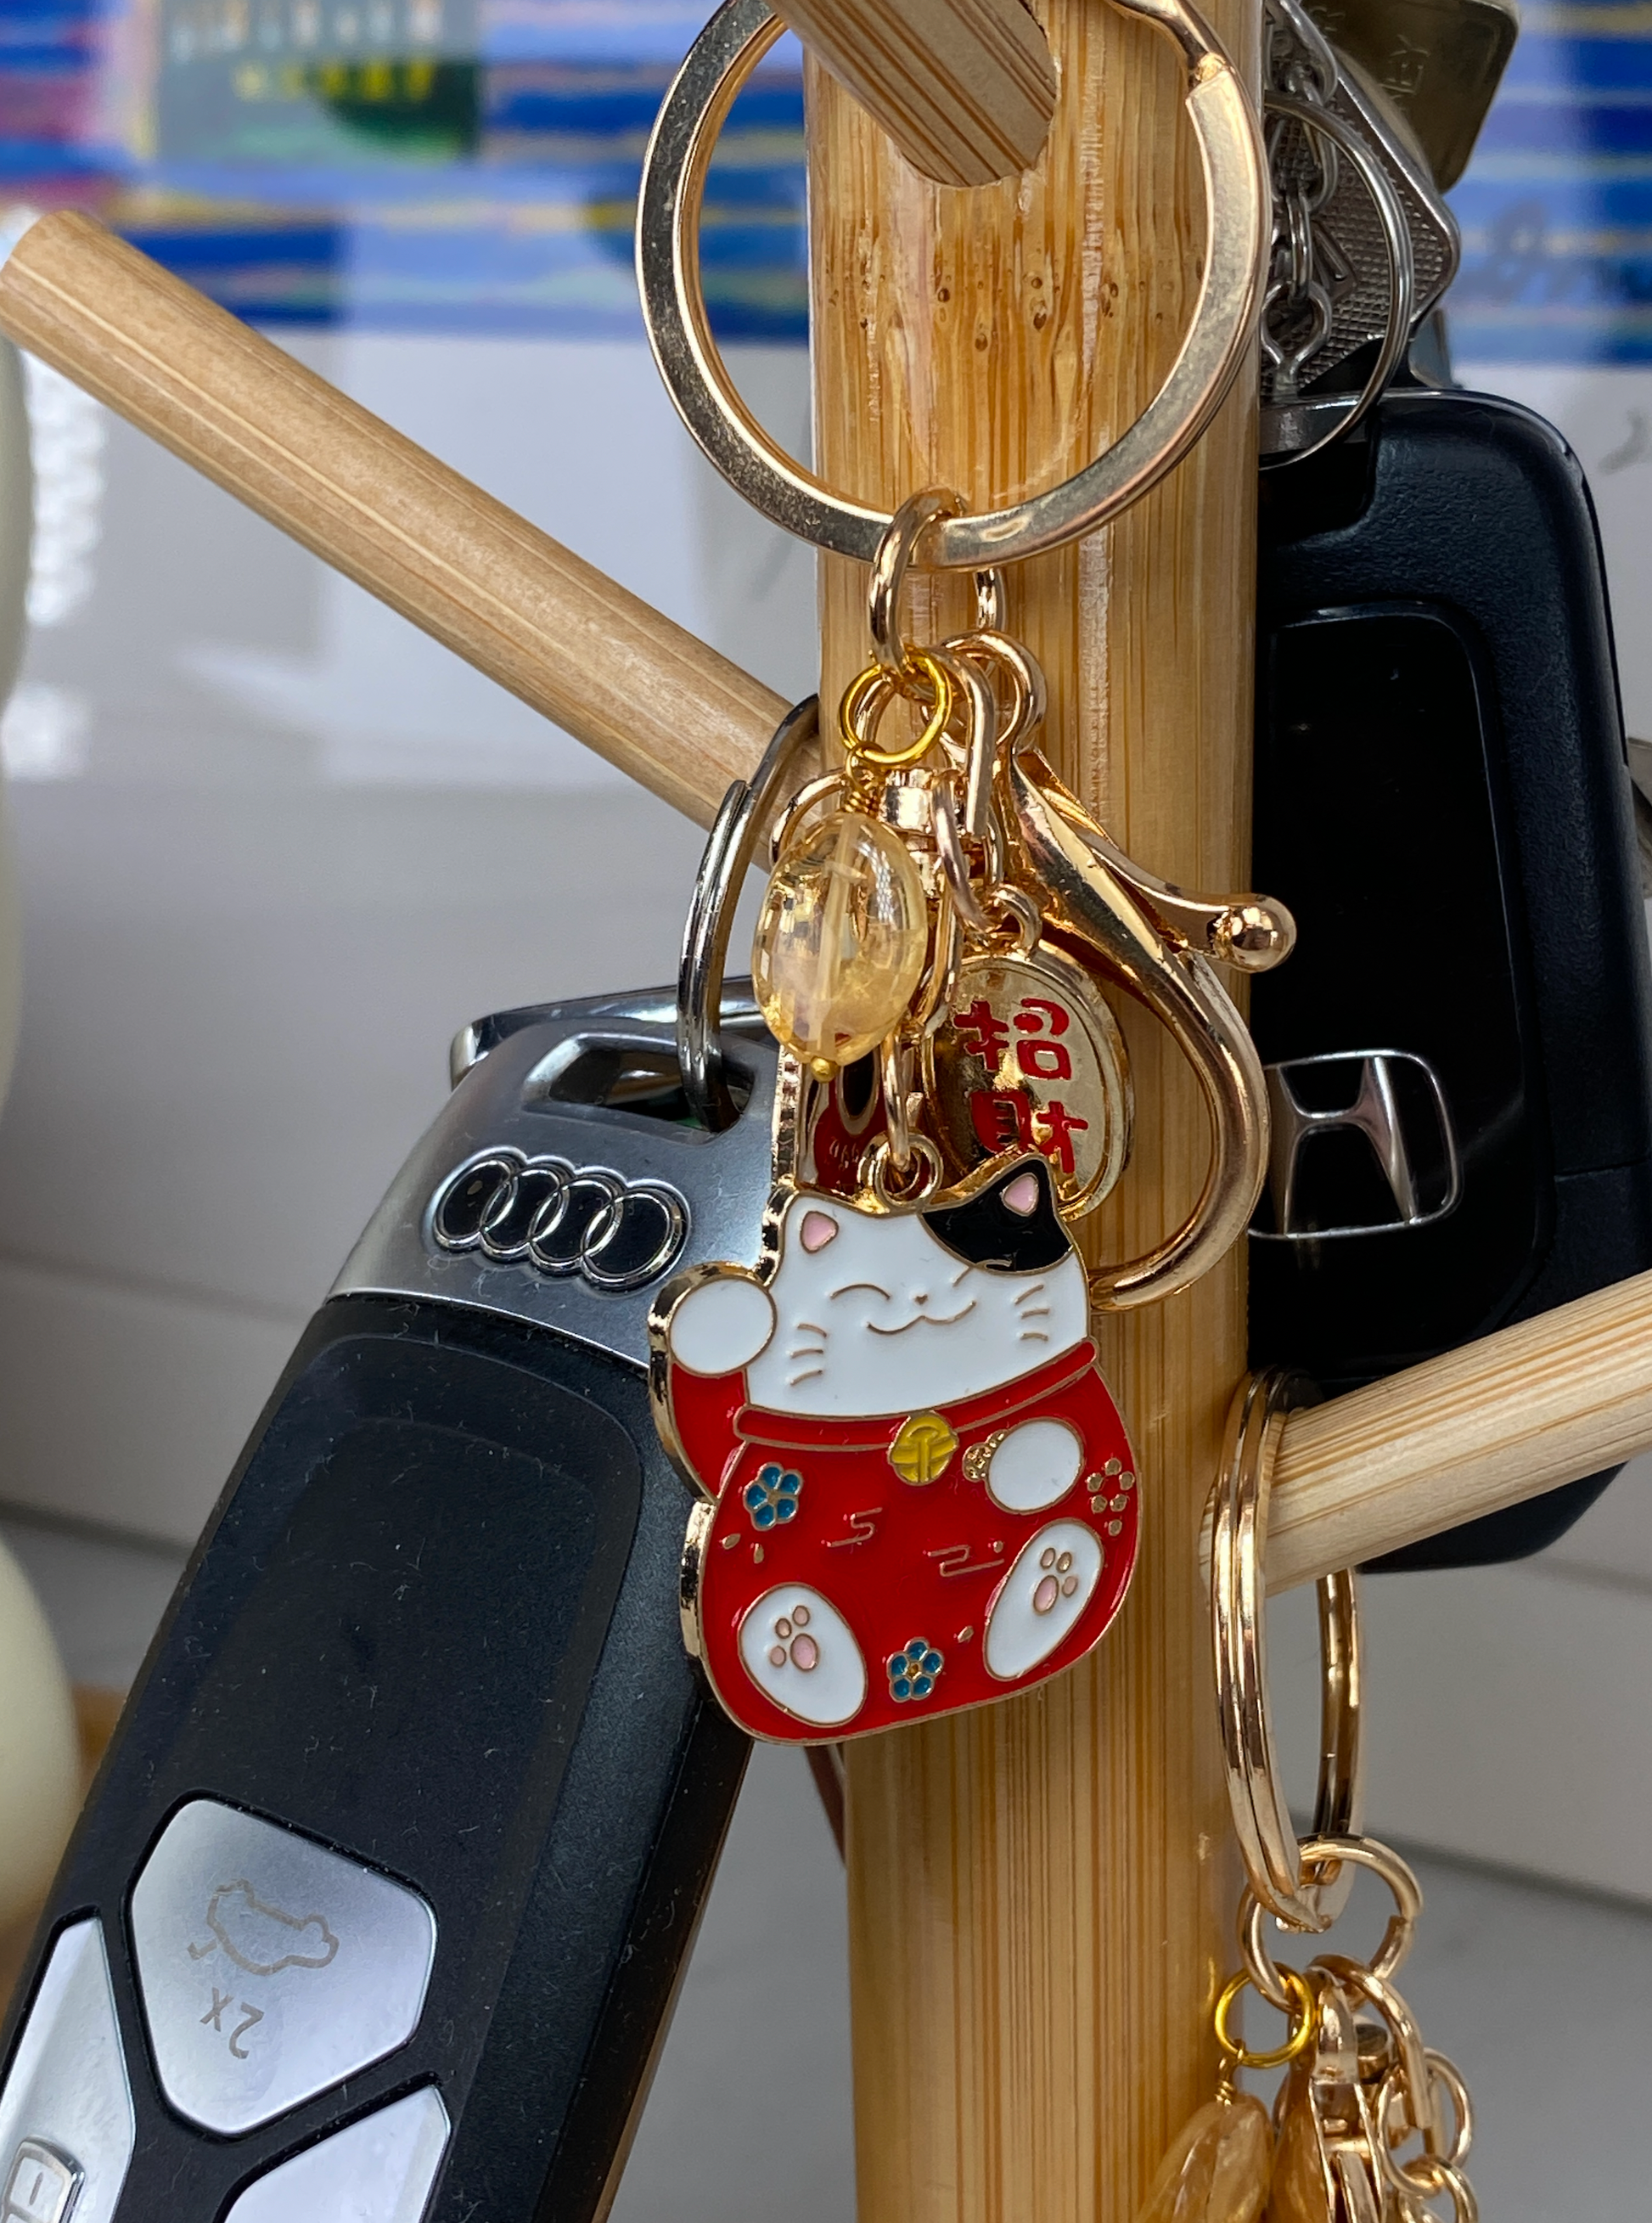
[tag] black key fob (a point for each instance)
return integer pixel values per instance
(379, 1903)
(1458, 1049)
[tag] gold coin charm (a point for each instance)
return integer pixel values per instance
(923, 1450)
(841, 939)
(1030, 1058)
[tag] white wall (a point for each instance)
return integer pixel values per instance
(276, 846)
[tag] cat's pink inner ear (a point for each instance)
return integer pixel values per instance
(818, 1229)
(1022, 1194)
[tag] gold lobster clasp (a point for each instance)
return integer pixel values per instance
(1159, 942)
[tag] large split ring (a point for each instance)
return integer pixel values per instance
(1306, 1892)
(747, 811)
(1237, 202)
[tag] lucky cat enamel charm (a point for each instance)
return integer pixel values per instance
(917, 1492)
(920, 1495)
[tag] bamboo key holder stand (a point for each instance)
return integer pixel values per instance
(1039, 1898)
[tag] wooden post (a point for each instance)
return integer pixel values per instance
(1041, 1894)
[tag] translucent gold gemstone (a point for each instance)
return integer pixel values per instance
(841, 939)
(1217, 2171)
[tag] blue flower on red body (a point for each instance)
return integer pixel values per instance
(914, 1670)
(771, 1497)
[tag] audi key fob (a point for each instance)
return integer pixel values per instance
(1458, 1049)
(380, 1897)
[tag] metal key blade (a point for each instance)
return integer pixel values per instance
(1350, 253)
(1439, 61)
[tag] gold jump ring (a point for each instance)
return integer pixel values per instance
(1301, 2005)
(870, 694)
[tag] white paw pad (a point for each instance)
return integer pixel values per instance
(799, 1651)
(1053, 1580)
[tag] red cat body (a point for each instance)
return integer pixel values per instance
(885, 1531)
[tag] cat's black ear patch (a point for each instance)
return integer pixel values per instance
(1011, 1227)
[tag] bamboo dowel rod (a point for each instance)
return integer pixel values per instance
(965, 88)
(1041, 1898)
(583, 651)
(1519, 1412)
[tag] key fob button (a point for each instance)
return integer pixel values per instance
(66, 2123)
(41, 2185)
(379, 2170)
(269, 1967)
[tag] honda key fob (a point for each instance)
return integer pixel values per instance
(1458, 1062)
(382, 1893)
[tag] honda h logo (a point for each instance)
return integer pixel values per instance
(1391, 1098)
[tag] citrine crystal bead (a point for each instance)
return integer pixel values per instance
(1217, 2171)
(841, 939)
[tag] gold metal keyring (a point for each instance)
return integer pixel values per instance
(1303, 2007)
(1238, 205)
(1304, 1894)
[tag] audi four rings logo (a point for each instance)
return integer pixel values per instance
(561, 1218)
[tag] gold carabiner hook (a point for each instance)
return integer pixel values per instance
(1143, 929)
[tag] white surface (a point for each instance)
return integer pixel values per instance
(275, 851)
(40, 1752)
(104, 1598)
(1508, 1716)
(379, 2170)
(270, 1968)
(68, 2082)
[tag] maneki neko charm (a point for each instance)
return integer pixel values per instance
(916, 1491)
(924, 1493)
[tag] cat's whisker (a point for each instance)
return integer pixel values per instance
(1038, 1288)
(1032, 1335)
(809, 1374)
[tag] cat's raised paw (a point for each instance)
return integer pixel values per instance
(1040, 1599)
(722, 1324)
(799, 1651)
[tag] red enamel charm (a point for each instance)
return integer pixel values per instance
(921, 1496)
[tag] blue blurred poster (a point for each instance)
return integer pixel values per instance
(471, 165)
(457, 166)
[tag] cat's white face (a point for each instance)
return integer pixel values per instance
(870, 1314)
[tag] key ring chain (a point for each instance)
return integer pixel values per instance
(675, 169)
(1402, 274)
